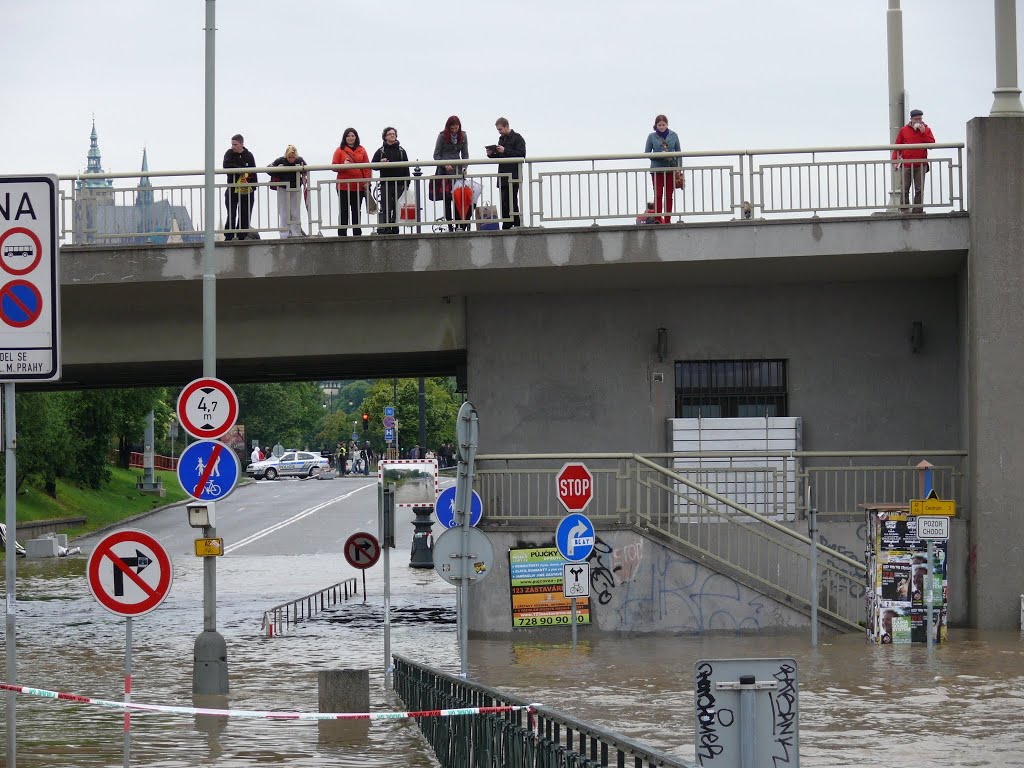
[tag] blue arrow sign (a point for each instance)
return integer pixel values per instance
(444, 508)
(208, 470)
(389, 410)
(575, 537)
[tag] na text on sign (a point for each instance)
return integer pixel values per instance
(207, 408)
(29, 279)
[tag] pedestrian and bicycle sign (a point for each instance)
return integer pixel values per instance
(208, 470)
(444, 508)
(575, 537)
(129, 573)
(362, 550)
(207, 408)
(29, 279)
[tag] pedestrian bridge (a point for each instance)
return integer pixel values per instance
(383, 305)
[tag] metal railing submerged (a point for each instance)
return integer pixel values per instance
(541, 738)
(167, 206)
(281, 617)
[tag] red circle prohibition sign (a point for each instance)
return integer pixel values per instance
(129, 571)
(362, 550)
(198, 430)
(20, 303)
(35, 241)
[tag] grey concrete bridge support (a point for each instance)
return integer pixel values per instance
(995, 370)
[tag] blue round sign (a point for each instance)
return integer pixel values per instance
(208, 470)
(444, 508)
(575, 537)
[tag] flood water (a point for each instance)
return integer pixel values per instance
(859, 704)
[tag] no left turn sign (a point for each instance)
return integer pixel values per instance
(207, 408)
(129, 573)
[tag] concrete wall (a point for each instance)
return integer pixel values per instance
(581, 365)
(637, 587)
(995, 155)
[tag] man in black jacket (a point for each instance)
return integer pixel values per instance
(241, 193)
(511, 144)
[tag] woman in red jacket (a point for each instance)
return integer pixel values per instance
(353, 184)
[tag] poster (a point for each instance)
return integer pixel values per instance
(537, 599)
(898, 581)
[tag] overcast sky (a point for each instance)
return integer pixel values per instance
(574, 77)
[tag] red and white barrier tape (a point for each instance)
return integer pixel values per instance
(257, 714)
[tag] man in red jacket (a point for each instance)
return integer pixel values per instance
(913, 162)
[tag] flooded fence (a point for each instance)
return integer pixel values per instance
(280, 618)
(540, 737)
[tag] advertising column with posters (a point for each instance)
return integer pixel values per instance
(537, 595)
(898, 577)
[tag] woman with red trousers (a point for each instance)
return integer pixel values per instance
(661, 139)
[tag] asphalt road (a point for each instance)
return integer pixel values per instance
(278, 517)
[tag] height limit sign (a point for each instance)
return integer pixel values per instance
(29, 279)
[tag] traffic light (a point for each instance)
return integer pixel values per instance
(366, 422)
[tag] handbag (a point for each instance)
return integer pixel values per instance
(438, 188)
(679, 180)
(371, 202)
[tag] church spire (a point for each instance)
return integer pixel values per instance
(93, 164)
(145, 196)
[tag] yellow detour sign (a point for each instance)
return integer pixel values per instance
(932, 506)
(209, 547)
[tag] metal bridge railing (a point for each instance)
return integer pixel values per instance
(773, 484)
(280, 618)
(542, 738)
(158, 207)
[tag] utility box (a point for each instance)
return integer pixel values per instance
(897, 594)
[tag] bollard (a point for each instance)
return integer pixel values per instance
(343, 690)
(422, 554)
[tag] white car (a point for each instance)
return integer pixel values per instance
(294, 463)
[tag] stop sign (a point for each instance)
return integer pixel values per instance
(575, 486)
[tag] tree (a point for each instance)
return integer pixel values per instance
(442, 408)
(290, 413)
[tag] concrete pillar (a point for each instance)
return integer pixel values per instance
(1007, 93)
(995, 369)
(343, 690)
(897, 91)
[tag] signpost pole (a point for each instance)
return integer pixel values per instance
(574, 623)
(467, 428)
(11, 564)
(387, 510)
(127, 690)
(210, 665)
(928, 589)
(813, 535)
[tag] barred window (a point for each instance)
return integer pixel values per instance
(731, 388)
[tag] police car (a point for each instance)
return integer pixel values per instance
(292, 463)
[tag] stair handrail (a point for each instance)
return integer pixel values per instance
(827, 551)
